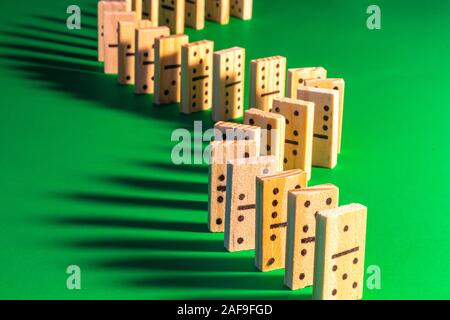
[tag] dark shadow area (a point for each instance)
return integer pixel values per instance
(188, 168)
(39, 28)
(62, 21)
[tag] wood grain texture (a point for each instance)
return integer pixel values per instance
(303, 206)
(221, 153)
(171, 14)
(242, 9)
(326, 124)
(229, 77)
(298, 142)
(235, 131)
(272, 216)
(296, 78)
(340, 250)
(241, 200)
(150, 11)
(218, 11)
(195, 14)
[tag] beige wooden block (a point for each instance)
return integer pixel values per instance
(197, 76)
(339, 254)
(241, 9)
(150, 11)
(229, 77)
(171, 14)
(336, 84)
(326, 124)
(267, 81)
(168, 68)
(221, 153)
(145, 58)
(234, 131)
(136, 6)
(111, 45)
(298, 144)
(241, 200)
(195, 14)
(102, 7)
(303, 206)
(272, 216)
(273, 128)
(218, 11)
(296, 78)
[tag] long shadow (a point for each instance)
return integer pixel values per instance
(57, 32)
(188, 168)
(55, 52)
(62, 22)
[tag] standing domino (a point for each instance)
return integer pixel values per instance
(229, 75)
(326, 124)
(267, 81)
(339, 255)
(296, 78)
(150, 11)
(195, 14)
(241, 9)
(272, 217)
(196, 81)
(303, 206)
(218, 11)
(171, 14)
(235, 131)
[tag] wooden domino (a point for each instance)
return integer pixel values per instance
(273, 127)
(339, 254)
(235, 131)
(241, 9)
(136, 6)
(111, 43)
(218, 11)
(326, 124)
(229, 75)
(171, 14)
(272, 216)
(336, 84)
(296, 77)
(145, 58)
(168, 68)
(102, 7)
(298, 142)
(195, 14)
(303, 206)
(150, 11)
(267, 81)
(241, 200)
(196, 76)
(221, 153)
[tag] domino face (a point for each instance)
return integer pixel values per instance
(326, 124)
(171, 14)
(111, 23)
(298, 142)
(336, 84)
(340, 248)
(234, 131)
(127, 48)
(150, 11)
(102, 7)
(221, 153)
(168, 69)
(272, 217)
(241, 200)
(272, 134)
(145, 58)
(241, 9)
(303, 206)
(229, 75)
(195, 14)
(137, 8)
(296, 78)
(218, 11)
(267, 81)
(196, 82)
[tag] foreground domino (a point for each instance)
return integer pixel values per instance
(195, 14)
(171, 14)
(298, 142)
(271, 216)
(336, 84)
(296, 78)
(303, 206)
(218, 11)
(272, 134)
(229, 75)
(241, 9)
(235, 131)
(326, 124)
(267, 81)
(168, 68)
(221, 153)
(150, 11)
(196, 81)
(145, 58)
(339, 254)
(241, 200)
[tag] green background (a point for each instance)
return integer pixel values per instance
(86, 177)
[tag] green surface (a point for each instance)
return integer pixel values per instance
(86, 177)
